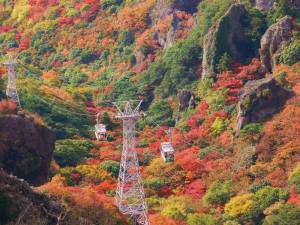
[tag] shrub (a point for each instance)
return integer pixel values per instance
(210, 12)
(201, 219)
(257, 186)
(111, 166)
(280, 9)
(231, 222)
(174, 70)
(239, 206)
(8, 107)
(251, 129)
(87, 56)
(59, 114)
(218, 193)
(160, 113)
(75, 77)
(40, 43)
(177, 207)
(294, 178)
(216, 100)
(291, 53)
(267, 196)
(205, 151)
(110, 3)
(71, 152)
(74, 52)
(154, 183)
(250, 207)
(124, 89)
(20, 10)
(285, 215)
(224, 63)
(204, 87)
(218, 126)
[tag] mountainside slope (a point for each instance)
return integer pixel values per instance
(224, 76)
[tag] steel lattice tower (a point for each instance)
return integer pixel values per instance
(11, 89)
(130, 196)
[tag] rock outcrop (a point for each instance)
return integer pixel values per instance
(267, 5)
(276, 37)
(25, 148)
(259, 100)
(225, 36)
(296, 3)
(167, 11)
(21, 205)
(186, 100)
(264, 5)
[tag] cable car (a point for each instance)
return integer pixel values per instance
(167, 151)
(100, 130)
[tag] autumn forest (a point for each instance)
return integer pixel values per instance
(218, 82)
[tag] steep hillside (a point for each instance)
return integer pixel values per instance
(224, 75)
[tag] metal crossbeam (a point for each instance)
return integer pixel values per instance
(11, 89)
(130, 196)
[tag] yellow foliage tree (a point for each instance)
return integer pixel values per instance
(239, 205)
(20, 10)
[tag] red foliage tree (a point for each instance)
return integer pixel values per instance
(234, 80)
(196, 189)
(294, 198)
(24, 44)
(65, 20)
(159, 219)
(188, 160)
(278, 178)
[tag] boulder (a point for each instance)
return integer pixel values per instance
(264, 5)
(18, 202)
(259, 100)
(225, 36)
(273, 41)
(25, 205)
(25, 148)
(186, 100)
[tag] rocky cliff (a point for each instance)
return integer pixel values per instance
(25, 148)
(264, 5)
(167, 11)
(226, 36)
(276, 37)
(20, 204)
(260, 99)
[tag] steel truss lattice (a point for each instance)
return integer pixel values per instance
(11, 89)
(130, 196)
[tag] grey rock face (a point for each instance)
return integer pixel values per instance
(224, 36)
(296, 3)
(25, 148)
(163, 9)
(276, 37)
(186, 100)
(26, 205)
(260, 99)
(264, 5)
